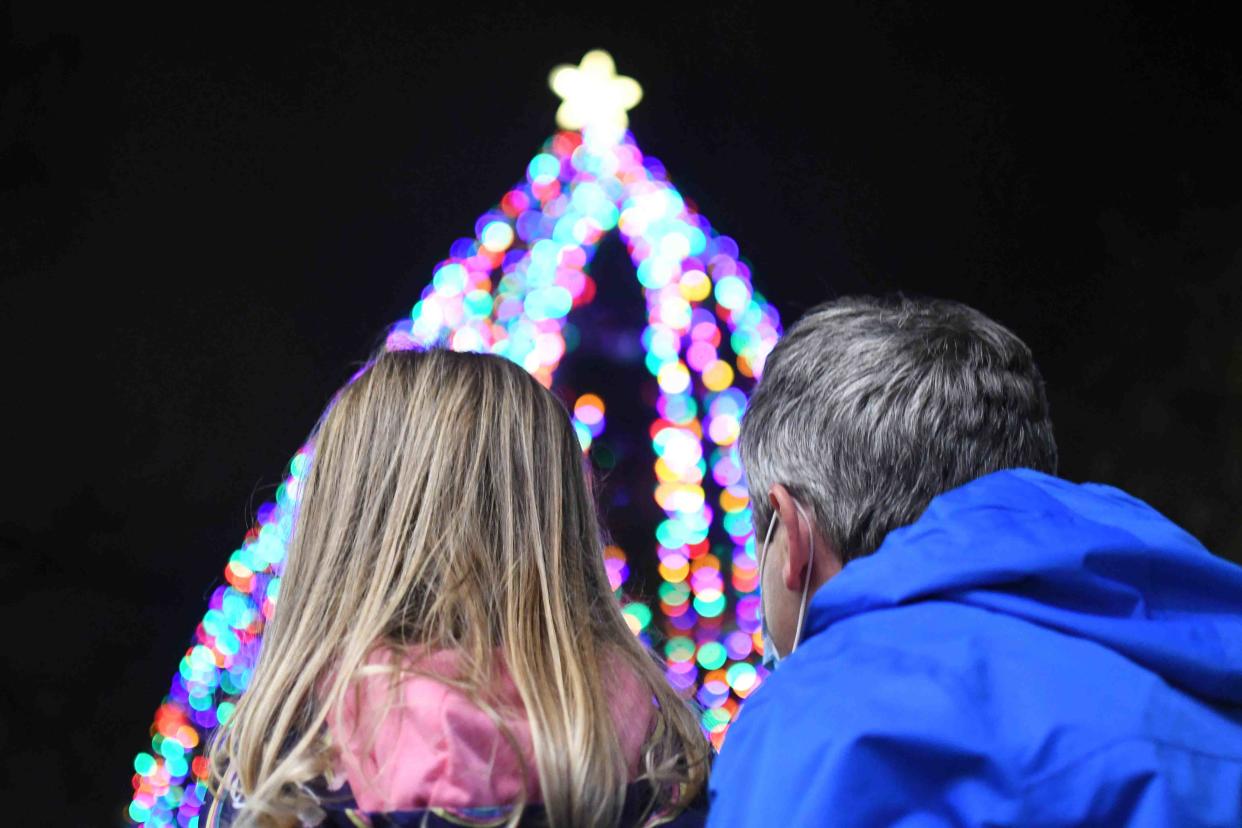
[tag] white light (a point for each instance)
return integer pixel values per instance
(594, 97)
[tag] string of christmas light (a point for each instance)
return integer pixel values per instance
(510, 290)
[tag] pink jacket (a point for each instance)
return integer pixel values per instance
(434, 748)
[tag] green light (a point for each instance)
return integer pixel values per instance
(177, 768)
(679, 648)
(670, 534)
(712, 655)
(674, 594)
(741, 676)
(732, 293)
(715, 718)
(144, 763)
(544, 168)
(710, 609)
(477, 304)
(640, 613)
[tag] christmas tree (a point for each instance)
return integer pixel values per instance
(530, 285)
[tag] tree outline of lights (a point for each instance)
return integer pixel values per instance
(509, 290)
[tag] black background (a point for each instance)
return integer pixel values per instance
(209, 212)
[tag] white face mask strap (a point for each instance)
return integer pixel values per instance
(763, 558)
(763, 553)
(810, 568)
(806, 585)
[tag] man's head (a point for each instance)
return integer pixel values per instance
(868, 409)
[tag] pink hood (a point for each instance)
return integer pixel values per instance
(434, 748)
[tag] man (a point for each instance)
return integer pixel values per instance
(963, 638)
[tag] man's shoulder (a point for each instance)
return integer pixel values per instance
(945, 702)
(829, 694)
(947, 671)
(840, 713)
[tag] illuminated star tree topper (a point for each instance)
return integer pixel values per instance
(594, 97)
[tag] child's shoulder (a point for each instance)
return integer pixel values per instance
(408, 736)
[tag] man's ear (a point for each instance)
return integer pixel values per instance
(797, 535)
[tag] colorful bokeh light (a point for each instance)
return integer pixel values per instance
(511, 289)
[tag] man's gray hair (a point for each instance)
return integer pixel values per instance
(868, 408)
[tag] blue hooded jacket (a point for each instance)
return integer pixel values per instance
(1029, 652)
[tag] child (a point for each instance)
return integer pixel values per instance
(447, 649)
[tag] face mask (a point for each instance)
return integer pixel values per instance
(771, 658)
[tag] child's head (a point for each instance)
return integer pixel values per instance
(447, 507)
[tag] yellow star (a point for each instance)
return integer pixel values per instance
(594, 95)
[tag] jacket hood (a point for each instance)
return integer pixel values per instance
(1083, 559)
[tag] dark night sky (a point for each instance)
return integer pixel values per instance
(207, 216)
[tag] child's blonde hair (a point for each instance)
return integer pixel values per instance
(447, 508)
